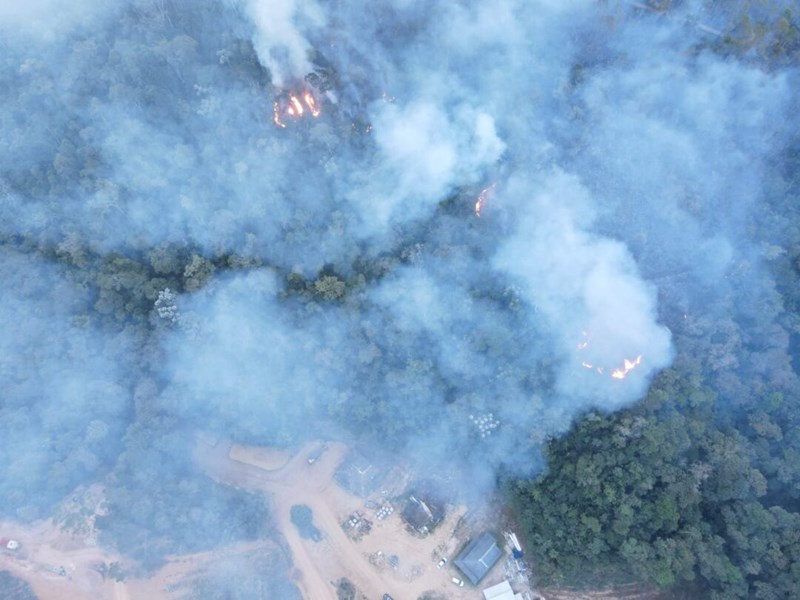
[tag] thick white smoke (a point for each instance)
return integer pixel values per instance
(280, 38)
(587, 288)
(623, 151)
(423, 152)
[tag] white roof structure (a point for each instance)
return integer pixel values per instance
(501, 591)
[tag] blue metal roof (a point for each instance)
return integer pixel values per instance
(478, 557)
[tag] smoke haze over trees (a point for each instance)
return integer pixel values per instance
(181, 254)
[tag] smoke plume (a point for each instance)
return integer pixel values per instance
(333, 278)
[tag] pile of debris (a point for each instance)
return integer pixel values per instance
(357, 526)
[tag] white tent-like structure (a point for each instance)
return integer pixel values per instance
(501, 591)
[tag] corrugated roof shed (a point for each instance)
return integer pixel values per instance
(501, 591)
(478, 557)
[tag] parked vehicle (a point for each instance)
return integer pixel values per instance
(457, 581)
(317, 454)
(441, 563)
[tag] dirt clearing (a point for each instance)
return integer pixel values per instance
(386, 560)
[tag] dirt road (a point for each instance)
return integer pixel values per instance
(626, 592)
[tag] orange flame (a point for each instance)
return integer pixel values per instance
(585, 342)
(629, 365)
(482, 198)
(311, 104)
(276, 115)
(296, 105)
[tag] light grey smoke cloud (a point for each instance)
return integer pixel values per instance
(48, 19)
(64, 404)
(242, 357)
(617, 142)
(677, 153)
(627, 156)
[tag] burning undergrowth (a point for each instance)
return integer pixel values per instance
(303, 100)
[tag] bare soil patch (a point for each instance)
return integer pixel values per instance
(56, 564)
(626, 592)
(59, 565)
(268, 459)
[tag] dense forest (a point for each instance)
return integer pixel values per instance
(575, 277)
(697, 487)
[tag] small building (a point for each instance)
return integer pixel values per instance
(501, 591)
(423, 513)
(478, 557)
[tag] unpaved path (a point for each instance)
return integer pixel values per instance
(626, 592)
